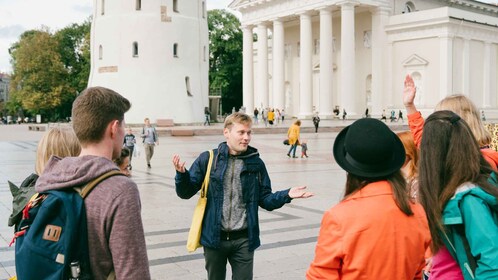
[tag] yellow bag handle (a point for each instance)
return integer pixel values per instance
(205, 184)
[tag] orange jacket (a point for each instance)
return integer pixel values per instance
(366, 236)
(416, 123)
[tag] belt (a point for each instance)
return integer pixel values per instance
(233, 235)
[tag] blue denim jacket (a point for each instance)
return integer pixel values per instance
(256, 190)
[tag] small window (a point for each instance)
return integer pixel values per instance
(135, 49)
(298, 49)
(187, 84)
(175, 49)
(204, 53)
(102, 8)
(203, 9)
(175, 6)
(409, 7)
(100, 52)
(138, 5)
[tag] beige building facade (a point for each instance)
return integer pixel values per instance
(313, 55)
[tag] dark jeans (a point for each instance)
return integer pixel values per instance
(237, 253)
(131, 151)
(293, 149)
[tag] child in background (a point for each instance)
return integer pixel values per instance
(304, 148)
(123, 162)
(129, 143)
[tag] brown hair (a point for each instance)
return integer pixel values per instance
(237, 117)
(58, 141)
(449, 157)
(411, 152)
(398, 185)
(463, 106)
(94, 109)
(125, 152)
(297, 122)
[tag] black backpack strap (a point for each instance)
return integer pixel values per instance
(89, 187)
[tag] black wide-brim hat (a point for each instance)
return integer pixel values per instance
(369, 149)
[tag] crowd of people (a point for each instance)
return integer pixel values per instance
(419, 203)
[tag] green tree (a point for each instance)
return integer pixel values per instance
(225, 58)
(49, 70)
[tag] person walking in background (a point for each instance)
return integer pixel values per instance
(265, 116)
(150, 139)
(483, 117)
(113, 208)
(277, 116)
(129, 143)
(400, 116)
(282, 113)
(458, 191)
(383, 117)
(59, 141)
(304, 148)
(344, 114)
(230, 228)
(316, 121)
(256, 113)
(293, 136)
(207, 115)
(366, 113)
(376, 231)
(271, 116)
(393, 116)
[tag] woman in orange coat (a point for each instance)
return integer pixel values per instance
(376, 231)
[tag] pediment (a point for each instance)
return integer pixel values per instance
(237, 3)
(415, 60)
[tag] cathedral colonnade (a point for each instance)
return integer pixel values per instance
(259, 56)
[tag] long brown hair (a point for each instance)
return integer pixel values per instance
(398, 185)
(449, 157)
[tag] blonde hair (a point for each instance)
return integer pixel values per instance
(463, 106)
(411, 152)
(237, 117)
(58, 141)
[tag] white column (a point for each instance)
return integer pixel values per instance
(389, 80)
(262, 93)
(486, 77)
(492, 75)
(445, 66)
(247, 69)
(305, 67)
(278, 64)
(326, 63)
(348, 89)
(466, 67)
(379, 43)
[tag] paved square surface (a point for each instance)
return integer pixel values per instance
(288, 235)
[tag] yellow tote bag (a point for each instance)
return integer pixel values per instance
(194, 235)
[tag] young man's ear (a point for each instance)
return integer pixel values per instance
(114, 127)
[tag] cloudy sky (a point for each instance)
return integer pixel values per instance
(17, 16)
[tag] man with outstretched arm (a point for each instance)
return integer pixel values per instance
(239, 183)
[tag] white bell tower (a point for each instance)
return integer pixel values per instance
(156, 54)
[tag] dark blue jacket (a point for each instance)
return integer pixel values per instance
(256, 191)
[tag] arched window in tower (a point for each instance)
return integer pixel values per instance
(138, 5)
(175, 49)
(187, 84)
(101, 52)
(203, 9)
(135, 49)
(175, 6)
(102, 7)
(409, 7)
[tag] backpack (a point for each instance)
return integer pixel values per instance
(52, 238)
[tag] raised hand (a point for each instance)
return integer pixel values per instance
(299, 192)
(179, 166)
(409, 93)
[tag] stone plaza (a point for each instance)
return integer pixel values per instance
(288, 235)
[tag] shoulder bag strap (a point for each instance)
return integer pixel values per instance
(205, 184)
(89, 187)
